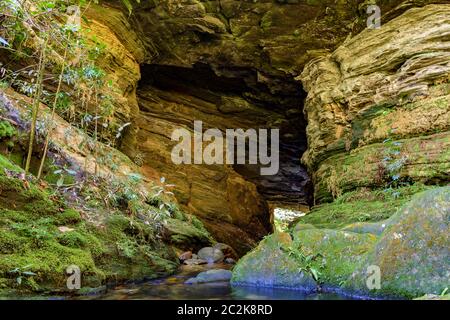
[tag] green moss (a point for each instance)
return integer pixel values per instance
(412, 252)
(362, 205)
(187, 234)
(338, 253)
(72, 239)
(270, 265)
(121, 248)
(6, 130)
(69, 216)
(7, 164)
(367, 166)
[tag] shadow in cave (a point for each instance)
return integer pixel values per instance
(279, 94)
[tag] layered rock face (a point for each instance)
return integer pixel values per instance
(378, 114)
(378, 107)
(230, 64)
(233, 64)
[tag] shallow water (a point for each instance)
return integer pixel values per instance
(173, 288)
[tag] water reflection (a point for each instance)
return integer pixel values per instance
(174, 288)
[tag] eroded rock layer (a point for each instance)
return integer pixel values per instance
(233, 64)
(378, 107)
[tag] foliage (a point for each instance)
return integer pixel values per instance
(305, 261)
(6, 130)
(22, 273)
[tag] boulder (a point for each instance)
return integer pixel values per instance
(269, 265)
(185, 256)
(211, 255)
(194, 262)
(334, 254)
(413, 253)
(216, 275)
(227, 251)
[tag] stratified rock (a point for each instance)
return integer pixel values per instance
(230, 64)
(377, 108)
(270, 265)
(413, 253)
(216, 275)
(210, 254)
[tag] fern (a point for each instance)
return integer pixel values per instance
(128, 5)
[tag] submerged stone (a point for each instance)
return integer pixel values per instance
(215, 275)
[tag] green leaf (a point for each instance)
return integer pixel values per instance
(315, 274)
(60, 181)
(4, 42)
(128, 5)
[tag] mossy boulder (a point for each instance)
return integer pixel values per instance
(187, 235)
(270, 265)
(335, 254)
(216, 275)
(412, 253)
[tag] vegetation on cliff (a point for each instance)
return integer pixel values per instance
(85, 143)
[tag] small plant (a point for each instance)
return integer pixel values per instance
(22, 273)
(306, 262)
(160, 198)
(127, 247)
(63, 173)
(392, 165)
(6, 130)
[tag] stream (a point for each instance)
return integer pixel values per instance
(174, 288)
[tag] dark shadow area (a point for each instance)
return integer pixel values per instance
(275, 102)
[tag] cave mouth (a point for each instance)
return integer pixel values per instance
(263, 101)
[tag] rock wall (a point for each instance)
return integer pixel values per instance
(232, 65)
(238, 64)
(378, 107)
(378, 115)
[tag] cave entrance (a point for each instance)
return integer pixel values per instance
(232, 98)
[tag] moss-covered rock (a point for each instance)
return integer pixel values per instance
(375, 228)
(336, 254)
(354, 210)
(270, 265)
(412, 253)
(185, 235)
(41, 235)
